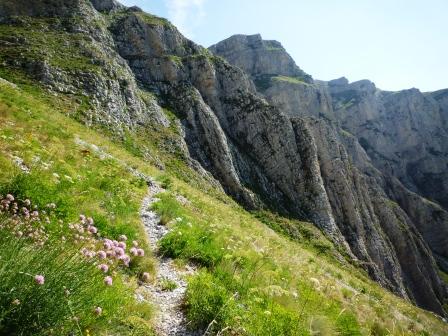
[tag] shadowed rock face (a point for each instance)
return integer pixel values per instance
(377, 152)
(272, 135)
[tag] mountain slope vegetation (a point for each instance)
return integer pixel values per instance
(97, 102)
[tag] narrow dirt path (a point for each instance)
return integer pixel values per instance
(170, 320)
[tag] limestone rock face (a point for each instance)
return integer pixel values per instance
(382, 232)
(258, 57)
(107, 5)
(354, 160)
(375, 149)
(405, 133)
(104, 77)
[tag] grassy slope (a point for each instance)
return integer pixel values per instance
(72, 175)
(295, 280)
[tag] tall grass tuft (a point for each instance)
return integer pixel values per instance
(66, 301)
(58, 282)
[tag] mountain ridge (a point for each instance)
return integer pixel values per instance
(270, 134)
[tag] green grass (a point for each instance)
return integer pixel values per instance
(292, 80)
(167, 285)
(153, 20)
(73, 288)
(41, 41)
(78, 180)
(253, 279)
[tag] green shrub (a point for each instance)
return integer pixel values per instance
(210, 304)
(192, 242)
(271, 318)
(167, 208)
(205, 299)
(167, 285)
(165, 181)
(347, 325)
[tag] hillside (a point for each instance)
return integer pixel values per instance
(279, 213)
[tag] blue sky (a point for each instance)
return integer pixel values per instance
(398, 44)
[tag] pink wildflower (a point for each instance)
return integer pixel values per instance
(39, 279)
(108, 280)
(27, 202)
(92, 229)
(133, 251)
(122, 238)
(119, 251)
(35, 213)
(98, 311)
(10, 197)
(125, 259)
(135, 243)
(122, 245)
(103, 267)
(140, 252)
(101, 254)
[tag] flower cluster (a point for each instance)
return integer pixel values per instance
(24, 219)
(107, 254)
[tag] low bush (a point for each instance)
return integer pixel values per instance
(193, 243)
(214, 307)
(167, 208)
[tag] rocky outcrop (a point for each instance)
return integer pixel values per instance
(269, 133)
(394, 232)
(258, 57)
(380, 232)
(404, 133)
(77, 57)
(107, 5)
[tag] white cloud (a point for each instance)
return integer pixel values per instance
(186, 14)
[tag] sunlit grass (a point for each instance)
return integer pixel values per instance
(256, 274)
(78, 179)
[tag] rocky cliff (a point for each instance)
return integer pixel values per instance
(370, 145)
(269, 133)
